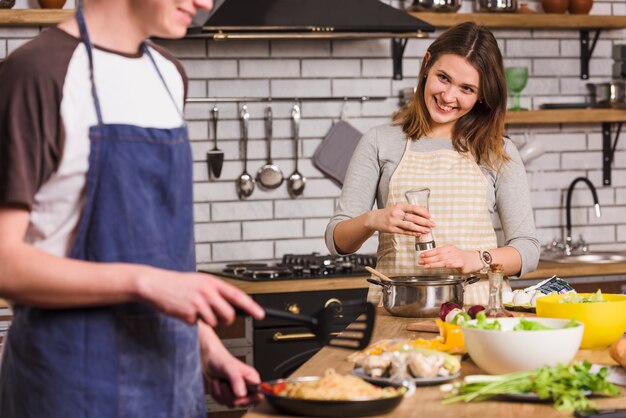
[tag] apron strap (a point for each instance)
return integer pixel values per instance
(80, 18)
(146, 50)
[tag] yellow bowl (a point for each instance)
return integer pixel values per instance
(605, 322)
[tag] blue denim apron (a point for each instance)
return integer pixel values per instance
(125, 360)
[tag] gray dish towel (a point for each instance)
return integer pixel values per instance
(333, 155)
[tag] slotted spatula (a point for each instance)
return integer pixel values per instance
(215, 157)
(328, 321)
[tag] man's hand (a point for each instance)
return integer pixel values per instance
(193, 296)
(228, 376)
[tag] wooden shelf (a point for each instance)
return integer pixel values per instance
(33, 17)
(524, 21)
(552, 116)
(39, 17)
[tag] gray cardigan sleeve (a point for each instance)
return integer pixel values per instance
(360, 186)
(515, 211)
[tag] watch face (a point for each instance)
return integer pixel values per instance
(486, 257)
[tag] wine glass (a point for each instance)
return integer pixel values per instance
(516, 78)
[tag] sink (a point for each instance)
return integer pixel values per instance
(590, 257)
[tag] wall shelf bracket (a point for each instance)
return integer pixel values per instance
(608, 150)
(397, 52)
(586, 51)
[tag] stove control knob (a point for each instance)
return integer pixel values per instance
(315, 269)
(293, 308)
(297, 270)
(347, 266)
(330, 269)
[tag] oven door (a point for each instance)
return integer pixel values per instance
(280, 347)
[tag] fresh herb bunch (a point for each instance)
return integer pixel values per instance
(566, 385)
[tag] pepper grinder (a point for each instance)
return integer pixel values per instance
(420, 197)
(496, 280)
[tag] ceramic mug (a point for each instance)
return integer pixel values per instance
(531, 150)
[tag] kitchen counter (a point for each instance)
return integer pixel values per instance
(426, 402)
(545, 269)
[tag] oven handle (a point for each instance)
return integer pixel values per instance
(299, 336)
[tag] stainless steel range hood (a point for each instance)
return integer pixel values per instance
(316, 19)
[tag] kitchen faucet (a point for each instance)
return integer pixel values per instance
(568, 215)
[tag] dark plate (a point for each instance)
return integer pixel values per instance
(566, 106)
(532, 397)
(520, 308)
(419, 381)
(322, 408)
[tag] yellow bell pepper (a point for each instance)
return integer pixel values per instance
(450, 339)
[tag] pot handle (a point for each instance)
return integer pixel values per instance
(471, 280)
(377, 282)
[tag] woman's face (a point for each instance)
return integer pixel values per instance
(450, 92)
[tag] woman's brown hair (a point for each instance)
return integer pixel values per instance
(480, 131)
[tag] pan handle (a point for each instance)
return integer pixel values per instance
(377, 282)
(471, 280)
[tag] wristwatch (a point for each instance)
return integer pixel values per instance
(486, 258)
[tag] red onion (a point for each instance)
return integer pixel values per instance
(445, 309)
(474, 310)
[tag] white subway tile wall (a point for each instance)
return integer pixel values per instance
(270, 223)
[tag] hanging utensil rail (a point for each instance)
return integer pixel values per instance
(282, 99)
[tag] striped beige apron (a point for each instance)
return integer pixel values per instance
(458, 206)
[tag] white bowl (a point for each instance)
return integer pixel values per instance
(507, 351)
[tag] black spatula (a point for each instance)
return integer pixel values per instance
(215, 157)
(329, 324)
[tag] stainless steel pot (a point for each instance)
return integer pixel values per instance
(444, 6)
(421, 296)
(611, 94)
(497, 6)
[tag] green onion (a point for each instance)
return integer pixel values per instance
(565, 385)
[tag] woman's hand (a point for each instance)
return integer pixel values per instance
(450, 256)
(193, 296)
(227, 375)
(401, 219)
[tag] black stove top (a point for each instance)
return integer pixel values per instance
(301, 266)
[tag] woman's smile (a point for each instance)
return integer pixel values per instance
(451, 91)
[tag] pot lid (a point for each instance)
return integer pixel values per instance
(423, 280)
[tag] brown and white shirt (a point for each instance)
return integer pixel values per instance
(46, 109)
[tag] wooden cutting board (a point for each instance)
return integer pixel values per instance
(596, 357)
(425, 325)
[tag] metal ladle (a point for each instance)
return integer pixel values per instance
(270, 175)
(245, 182)
(296, 181)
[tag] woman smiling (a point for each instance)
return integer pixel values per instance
(449, 139)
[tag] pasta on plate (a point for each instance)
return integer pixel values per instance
(333, 386)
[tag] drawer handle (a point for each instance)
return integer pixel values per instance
(293, 308)
(337, 305)
(331, 301)
(300, 336)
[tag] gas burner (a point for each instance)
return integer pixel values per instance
(302, 266)
(268, 273)
(241, 268)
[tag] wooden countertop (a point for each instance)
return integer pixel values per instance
(545, 269)
(426, 402)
